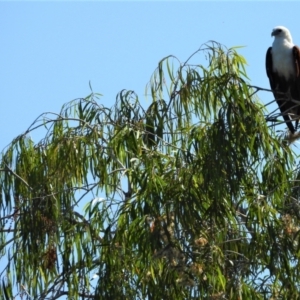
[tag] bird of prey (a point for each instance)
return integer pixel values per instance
(283, 70)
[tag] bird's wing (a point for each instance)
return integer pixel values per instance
(296, 90)
(269, 69)
(296, 55)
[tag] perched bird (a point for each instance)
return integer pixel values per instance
(283, 70)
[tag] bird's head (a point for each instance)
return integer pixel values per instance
(282, 33)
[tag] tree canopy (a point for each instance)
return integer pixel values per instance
(192, 197)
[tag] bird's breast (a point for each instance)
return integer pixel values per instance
(283, 62)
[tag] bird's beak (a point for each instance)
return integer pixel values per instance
(273, 33)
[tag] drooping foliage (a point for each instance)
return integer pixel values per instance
(191, 197)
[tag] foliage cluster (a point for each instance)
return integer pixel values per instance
(194, 197)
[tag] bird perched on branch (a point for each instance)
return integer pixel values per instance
(283, 70)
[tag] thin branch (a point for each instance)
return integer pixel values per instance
(16, 175)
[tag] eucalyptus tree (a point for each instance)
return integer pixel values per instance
(192, 197)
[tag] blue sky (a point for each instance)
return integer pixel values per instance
(50, 51)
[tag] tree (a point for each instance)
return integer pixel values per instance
(195, 197)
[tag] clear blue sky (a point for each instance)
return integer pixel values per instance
(51, 50)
